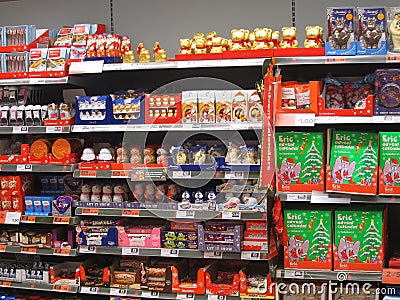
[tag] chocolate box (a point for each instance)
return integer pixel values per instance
(127, 110)
(19, 35)
(389, 170)
(93, 110)
(310, 239)
(37, 60)
(223, 278)
(255, 282)
(163, 109)
(387, 92)
(393, 17)
(95, 272)
(157, 276)
(125, 273)
(220, 239)
(223, 106)
(57, 59)
(206, 106)
(96, 235)
(189, 107)
(371, 31)
(188, 277)
(341, 27)
(134, 237)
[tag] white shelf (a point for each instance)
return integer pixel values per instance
(165, 127)
(32, 81)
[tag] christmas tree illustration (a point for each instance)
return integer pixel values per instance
(367, 164)
(314, 162)
(372, 243)
(320, 242)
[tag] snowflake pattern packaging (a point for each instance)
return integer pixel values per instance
(359, 237)
(309, 234)
(300, 160)
(353, 163)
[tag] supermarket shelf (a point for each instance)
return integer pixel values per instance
(357, 59)
(212, 175)
(329, 275)
(250, 62)
(37, 168)
(166, 127)
(184, 253)
(37, 251)
(34, 129)
(49, 220)
(140, 174)
(31, 81)
(39, 286)
(149, 294)
(336, 198)
(169, 214)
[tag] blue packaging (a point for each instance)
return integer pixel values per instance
(93, 110)
(37, 205)
(1, 36)
(127, 110)
(19, 35)
(371, 34)
(46, 205)
(341, 27)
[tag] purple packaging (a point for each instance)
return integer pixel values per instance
(341, 26)
(387, 92)
(371, 34)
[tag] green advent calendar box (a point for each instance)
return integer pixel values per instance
(359, 239)
(389, 169)
(353, 163)
(310, 239)
(300, 161)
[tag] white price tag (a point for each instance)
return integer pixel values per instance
(152, 294)
(181, 174)
(234, 175)
(118, 292)
(323, 198)
(24, 168)
(87, 249)
(183, 214)
(216, 297)
(213, 255)
(236, 215)
(184, 296)
(12, 218)
(170, 252)
(294, 274)
(54, 129)
(130, 251)
(89, 290)
(296, 197)
(20, 129)
(304, 120)
(86, 67)
(250, 255)
(37, 81)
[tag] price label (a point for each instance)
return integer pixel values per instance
(62, 288)
(170, 252)
(3, 248)
(118, 292)
(152, 294)
(130, 251)
(184, 214)
(88, 173)
(90, 211)
(37, 81)
(293, 274)
(213, 255)
(28, 219)
(62, 252)
(87, 249)
(130, 213)
(20, 129)
(234, 175)
(12, 218)
(216, 297)
(89, 290)
(5, 283)
(392, 58)
(304, 120)
(154, 126)
(385, 119)
(83, 67)
(332, 60)
(54, 129)
(59, 220)
(181, 174)
(28, 250)
(184, 296)
(250, 255)
(24, 168)
(236, 215)
(296, 197)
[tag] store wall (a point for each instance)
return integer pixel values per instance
(167, 21)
